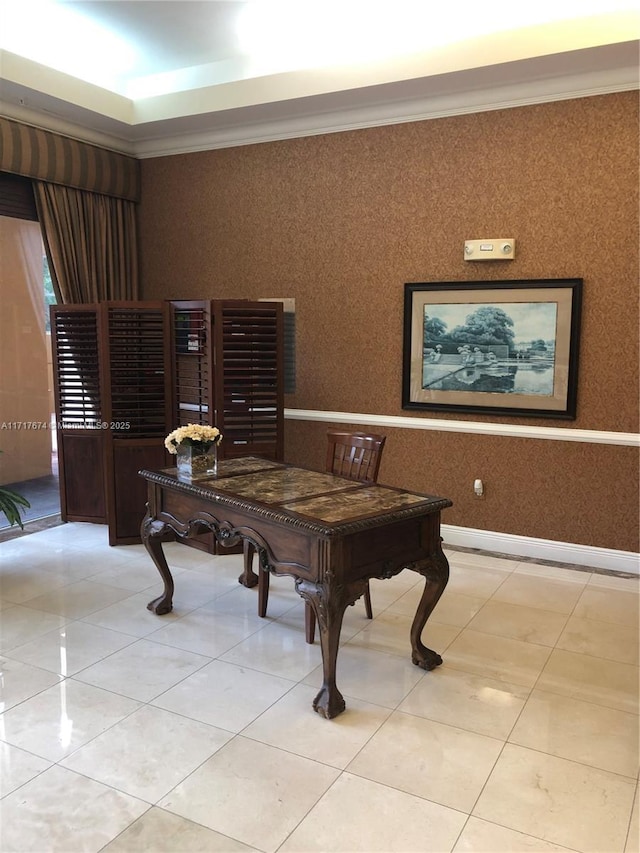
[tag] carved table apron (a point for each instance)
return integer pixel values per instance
(329, 533)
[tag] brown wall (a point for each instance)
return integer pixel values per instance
(341, 221)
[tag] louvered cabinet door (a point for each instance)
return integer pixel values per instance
(192, 363)
(75, 337)
(227, 369)
(248, 377)
(136, 410)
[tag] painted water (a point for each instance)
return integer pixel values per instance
(510, 376)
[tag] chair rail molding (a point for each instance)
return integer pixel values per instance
(627, 562)
(627, 439)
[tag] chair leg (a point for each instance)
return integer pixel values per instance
(309, 623)
(367, 602)
(263, 591)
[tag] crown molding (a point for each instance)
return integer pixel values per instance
(45, 120)
(242, 127)
(395, 112)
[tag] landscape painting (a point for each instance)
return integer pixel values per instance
(508, 347)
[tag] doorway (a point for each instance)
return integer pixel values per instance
(28, 461)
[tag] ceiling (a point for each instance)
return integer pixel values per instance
(153, 77)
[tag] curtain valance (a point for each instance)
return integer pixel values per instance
(51, 157)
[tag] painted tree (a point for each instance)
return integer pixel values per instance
(434, 328)
(486, 325)
(539, 345)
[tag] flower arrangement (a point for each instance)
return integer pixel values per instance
(193, 435)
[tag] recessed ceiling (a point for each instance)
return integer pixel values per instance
(152, 77)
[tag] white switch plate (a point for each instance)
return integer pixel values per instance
(497, 249)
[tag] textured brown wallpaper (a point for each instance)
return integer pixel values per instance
(340, 222)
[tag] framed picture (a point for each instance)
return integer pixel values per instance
(503, 347)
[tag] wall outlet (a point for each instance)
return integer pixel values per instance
(478, 488)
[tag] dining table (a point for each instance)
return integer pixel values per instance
(330, 534)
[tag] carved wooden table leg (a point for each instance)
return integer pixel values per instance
(436, 574)
(329, 602)
(248, 577)
(153, 534)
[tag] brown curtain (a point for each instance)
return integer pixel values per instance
(57, 159)
(91, 243)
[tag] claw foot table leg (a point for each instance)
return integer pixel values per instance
(329, 614)
(153, 534)
(436, 575)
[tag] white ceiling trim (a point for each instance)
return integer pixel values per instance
(49, 121)
(497, 98)
(356, 118)
(571, 58)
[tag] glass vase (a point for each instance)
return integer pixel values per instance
(197, 461)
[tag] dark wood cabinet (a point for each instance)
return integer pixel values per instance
(228, 371)
(78, 402)
(127, 373)
(112, 386)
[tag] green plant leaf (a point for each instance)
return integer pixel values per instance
(10, 504)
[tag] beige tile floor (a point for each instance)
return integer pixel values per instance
(125, 731)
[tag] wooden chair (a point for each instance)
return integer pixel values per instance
(355, 456)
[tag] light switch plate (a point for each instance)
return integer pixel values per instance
(496, 249)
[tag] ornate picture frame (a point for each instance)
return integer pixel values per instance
(497, 347)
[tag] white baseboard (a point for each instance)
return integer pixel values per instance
(542, 549)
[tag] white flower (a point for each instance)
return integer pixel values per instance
(193, 434)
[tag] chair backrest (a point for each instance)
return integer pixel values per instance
(355, 455)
